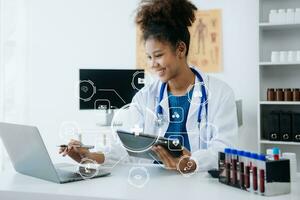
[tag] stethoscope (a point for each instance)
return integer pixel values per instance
(159, 110)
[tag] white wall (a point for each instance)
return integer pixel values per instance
(65, 35)
(240, 57)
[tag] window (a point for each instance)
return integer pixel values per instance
(1, 82)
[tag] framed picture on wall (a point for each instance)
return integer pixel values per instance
(206, 41)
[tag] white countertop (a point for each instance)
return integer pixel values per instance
(162, 184)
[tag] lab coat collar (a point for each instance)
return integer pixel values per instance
(195, 99)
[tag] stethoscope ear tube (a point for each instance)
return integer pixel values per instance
(159, 111)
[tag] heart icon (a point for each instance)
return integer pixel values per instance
(176, 142)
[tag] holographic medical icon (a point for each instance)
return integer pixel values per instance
(102, 104)
(69, 130)
(138, 80)
(137, 130)
(177, 115)
(188, 166)
(125, 119)
(175, 138)
(138, 177)
(88, 168)
(87, 90)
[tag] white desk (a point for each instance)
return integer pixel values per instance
(162, 185)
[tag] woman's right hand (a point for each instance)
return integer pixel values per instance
(74, 151)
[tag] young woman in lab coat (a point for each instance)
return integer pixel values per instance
(196, 108)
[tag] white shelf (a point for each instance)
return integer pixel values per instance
(275, 37)
(279, 142)
(279, 102)
(269, 26)
(279, 64)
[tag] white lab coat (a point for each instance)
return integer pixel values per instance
(205, 143)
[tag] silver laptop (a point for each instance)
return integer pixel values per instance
(29, 155)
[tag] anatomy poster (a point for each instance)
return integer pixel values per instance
(206, 43)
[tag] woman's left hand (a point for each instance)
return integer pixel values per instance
(182, 164)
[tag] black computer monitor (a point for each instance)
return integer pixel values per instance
(108, 88)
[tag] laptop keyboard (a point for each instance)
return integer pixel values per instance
(65, 175)
(69, 176)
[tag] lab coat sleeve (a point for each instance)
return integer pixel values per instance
(131, 119)
(224, 119)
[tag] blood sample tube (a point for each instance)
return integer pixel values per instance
(276, 153)
(262, 173)
(247, 156)
(228, 165)
(269, 155)
(254, 178)
(234, 161)
(241, 169)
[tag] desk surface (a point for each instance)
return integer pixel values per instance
(162, 184)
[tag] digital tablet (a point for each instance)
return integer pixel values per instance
(140, 145)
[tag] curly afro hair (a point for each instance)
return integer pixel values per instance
(166, 20)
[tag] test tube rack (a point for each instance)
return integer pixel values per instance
(276, 180)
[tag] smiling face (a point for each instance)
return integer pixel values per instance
(163, 59)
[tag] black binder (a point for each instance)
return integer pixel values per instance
(286, 126)
(271, 126)
(296, 127)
